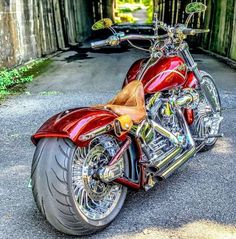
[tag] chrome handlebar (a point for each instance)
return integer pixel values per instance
(99, 44)
(188, 31)
(179, 31)
(116, 39)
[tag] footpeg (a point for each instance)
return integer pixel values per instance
(209, 137)
(214, 136)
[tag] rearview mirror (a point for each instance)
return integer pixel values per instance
(102, 24)
(195, 7)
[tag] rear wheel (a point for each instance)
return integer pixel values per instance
(66, 193)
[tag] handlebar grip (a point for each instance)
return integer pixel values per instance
(198, 31)
(189, 31)
(192, 32)
(99, 44)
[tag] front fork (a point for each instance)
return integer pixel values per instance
(192, 66)
(202, 84)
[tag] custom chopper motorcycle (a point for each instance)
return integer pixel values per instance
(167, 111)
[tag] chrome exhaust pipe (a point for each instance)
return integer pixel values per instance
(165, 159)
(184, 157)
(164, 132)
(190, 97)
(176, 164)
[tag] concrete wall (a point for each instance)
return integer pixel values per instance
(33, 28)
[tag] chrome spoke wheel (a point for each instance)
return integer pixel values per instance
(95, 199)
(207, 121)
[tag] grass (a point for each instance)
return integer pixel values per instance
(125, 17)
(13, 81)
(126, 8)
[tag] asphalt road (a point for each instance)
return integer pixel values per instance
(199, 201)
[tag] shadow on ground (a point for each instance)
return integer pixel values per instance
(83, 53)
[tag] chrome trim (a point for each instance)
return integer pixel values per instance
(191, 64)
(115, 168)
(189, 99)
(185, 156)
(161, 130)
(208, 93)
(208, 120)
(160, 163)
(108, 174)
(94, 199)
(96, 132)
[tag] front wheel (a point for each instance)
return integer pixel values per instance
(207, 121)
(66, 193)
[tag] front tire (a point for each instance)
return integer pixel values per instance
(54, 190)
(213, 124)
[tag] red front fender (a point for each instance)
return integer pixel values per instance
(73, 123)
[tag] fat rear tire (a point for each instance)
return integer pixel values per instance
(52, 188)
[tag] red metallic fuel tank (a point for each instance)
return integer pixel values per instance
(158, 74)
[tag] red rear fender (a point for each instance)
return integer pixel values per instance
(73, 123)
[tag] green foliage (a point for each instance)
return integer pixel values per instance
(11, 78)
(126, 8)
(126, 17)
(145, 2)
(150, 13)
(148, 3)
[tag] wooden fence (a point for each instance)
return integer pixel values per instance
(173, 11)
(220, 18)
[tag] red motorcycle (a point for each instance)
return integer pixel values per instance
(167, 111)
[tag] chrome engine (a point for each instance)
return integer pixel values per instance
(164, 134)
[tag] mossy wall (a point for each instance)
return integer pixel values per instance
(221, 20)
(33, 28)
(233, 43)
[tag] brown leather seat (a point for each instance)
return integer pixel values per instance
(129, 101)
